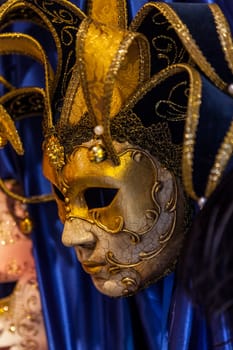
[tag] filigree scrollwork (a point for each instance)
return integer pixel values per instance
(171, 109)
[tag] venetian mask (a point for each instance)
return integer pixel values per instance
(121, 116)
(123, 210)
(122, 221)
(21, 320)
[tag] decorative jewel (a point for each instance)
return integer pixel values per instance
(26, 225)
(55, 152)
(97, 153)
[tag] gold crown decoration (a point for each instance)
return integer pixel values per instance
(75, 78)
(142, 86)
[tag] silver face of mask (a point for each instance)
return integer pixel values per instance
(133, 238)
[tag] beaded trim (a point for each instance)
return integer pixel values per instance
(224, 34)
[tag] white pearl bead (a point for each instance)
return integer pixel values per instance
(99, 130)
(201, 202)
(230, 89)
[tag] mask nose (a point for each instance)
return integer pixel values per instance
(77, 232)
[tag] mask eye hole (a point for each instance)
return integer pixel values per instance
(58, 193)
(97, 197)
(6, 289)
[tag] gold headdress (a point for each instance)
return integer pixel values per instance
(146, 85)
(97, 96)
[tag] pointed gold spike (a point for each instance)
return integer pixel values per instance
(8, 132)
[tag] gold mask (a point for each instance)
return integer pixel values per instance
(122, 220)
(119, 133)
(123, 211)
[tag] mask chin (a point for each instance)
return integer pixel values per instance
(124, 284)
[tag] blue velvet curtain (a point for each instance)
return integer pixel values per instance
(77, 317)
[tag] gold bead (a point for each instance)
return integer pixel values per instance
(67, 208)
(26, 226)
(64, 190)
(67, 200)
